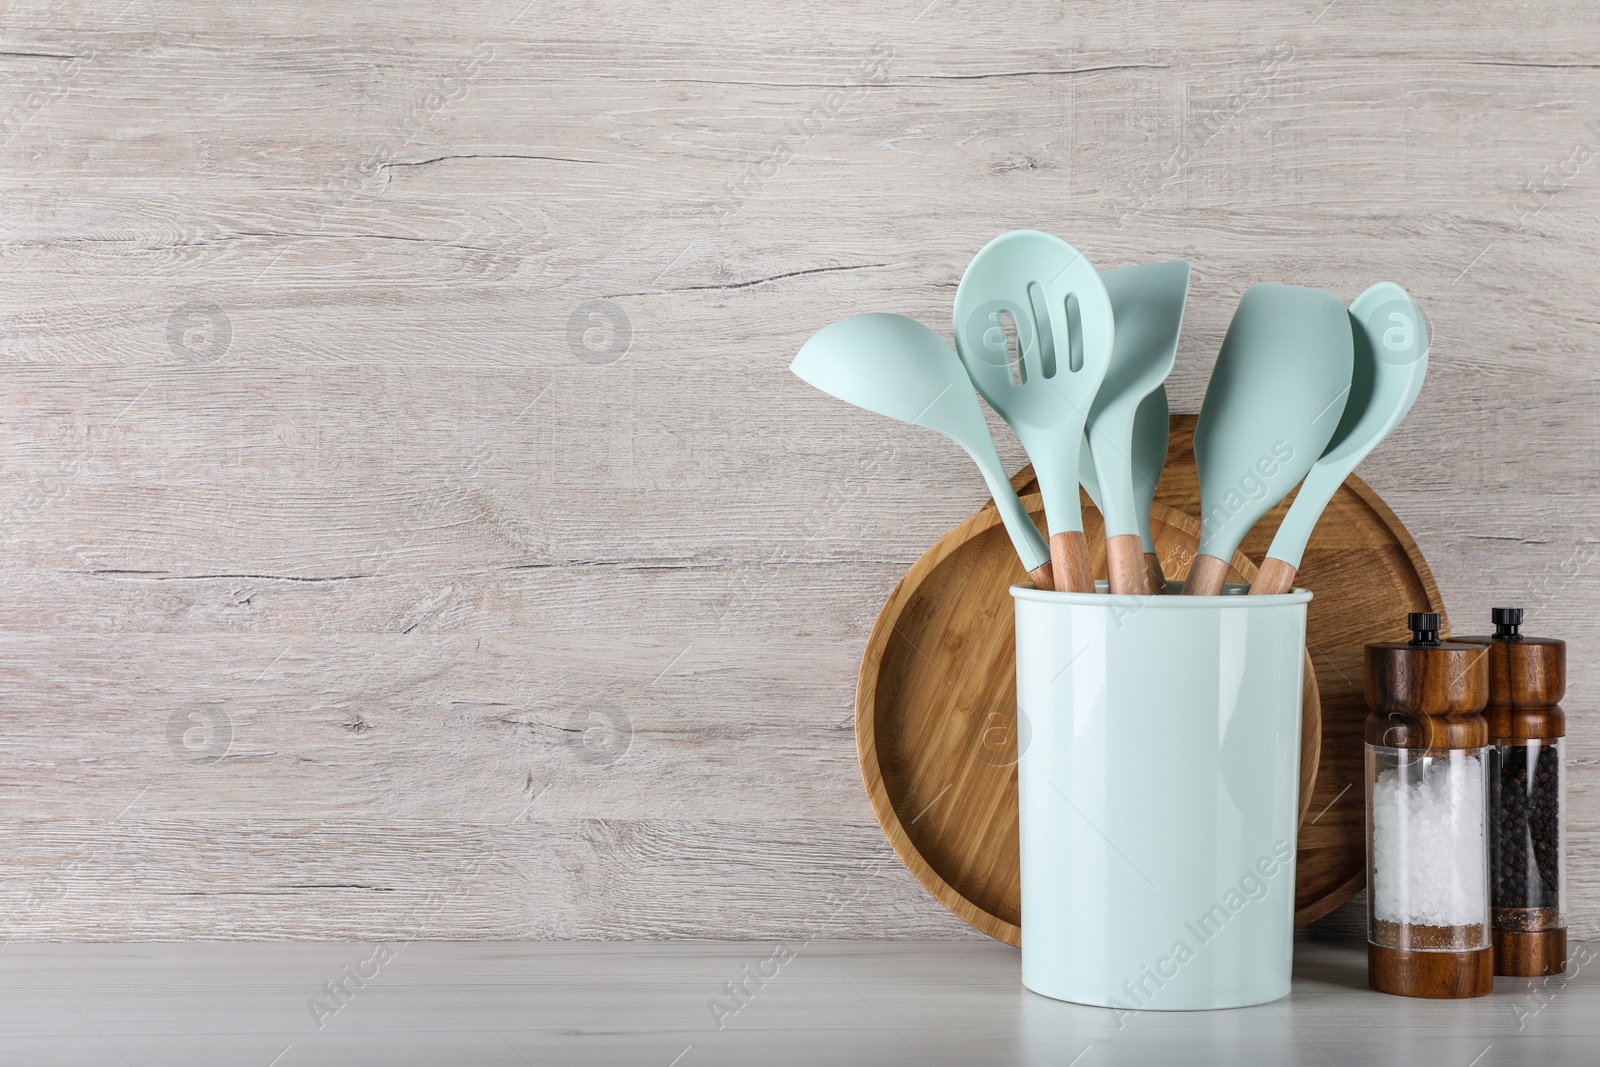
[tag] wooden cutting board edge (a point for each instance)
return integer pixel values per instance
(866, 737)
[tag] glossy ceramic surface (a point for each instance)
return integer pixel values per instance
(1159, 744)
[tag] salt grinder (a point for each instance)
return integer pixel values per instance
(1527, 847)
(1427, 826)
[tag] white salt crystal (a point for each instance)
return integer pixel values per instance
(1428, 842)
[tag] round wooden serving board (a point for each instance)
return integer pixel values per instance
(936, 696)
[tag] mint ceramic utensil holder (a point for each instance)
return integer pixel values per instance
(1158, 775)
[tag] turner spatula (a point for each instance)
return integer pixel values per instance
(1274, 400)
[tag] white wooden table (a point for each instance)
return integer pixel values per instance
(654, 1004)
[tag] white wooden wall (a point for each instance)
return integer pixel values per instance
(395, 396)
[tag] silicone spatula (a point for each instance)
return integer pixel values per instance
(1034, 329)
(1150, 425)
(1147, 302)
(1275, 397)
(898, 367)
(1391, 360)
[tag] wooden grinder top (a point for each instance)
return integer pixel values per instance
(1426, 693)
(1524, 672)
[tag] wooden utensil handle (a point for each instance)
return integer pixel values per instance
(1206, 575)
(1155, 579)
(1043, 576)
(1275, 576)
(1069, 558)
(1125, 568)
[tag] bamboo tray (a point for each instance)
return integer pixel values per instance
(936, 696)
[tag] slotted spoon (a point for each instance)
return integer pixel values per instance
(1034, 328)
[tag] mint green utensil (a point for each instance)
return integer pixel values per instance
(1150, 424)
(1391, 360)
(1147, 302)
(1275, 398)
(898, 367)
(1042, 292)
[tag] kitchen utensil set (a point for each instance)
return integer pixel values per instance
(1074, 361)
(936, 691)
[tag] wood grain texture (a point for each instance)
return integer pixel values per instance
(307, 415)
(1526, 954)
(1127, 571)
(1273, 576)
(1511, 725)
(1445, 678)
(1069, 562)
(1434, 975)
(1206, 577)
(1528, 674)
(1155, 578)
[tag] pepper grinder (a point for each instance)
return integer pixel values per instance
(1527, 846)
(1427, 759)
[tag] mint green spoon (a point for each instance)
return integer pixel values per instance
(898, 367)
(1150, 424)
(1147, 302)
(1391, 360)
(1276, 395)
(1044, 384)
